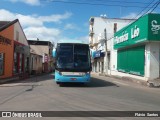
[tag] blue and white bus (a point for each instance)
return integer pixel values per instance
(73, 63)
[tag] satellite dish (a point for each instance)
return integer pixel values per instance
(101, 15)
(105, 16)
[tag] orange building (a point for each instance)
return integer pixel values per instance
(14, 49)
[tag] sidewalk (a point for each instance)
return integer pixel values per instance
(3, 81)
(19, 78)
(151, 83)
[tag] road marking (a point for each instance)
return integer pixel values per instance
(120, 83)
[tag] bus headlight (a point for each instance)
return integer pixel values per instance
(87, 73)
(59, 73)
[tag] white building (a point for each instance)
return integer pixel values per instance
(102, 29)
(137, 49)
(133, 46)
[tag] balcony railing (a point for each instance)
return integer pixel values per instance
(91, 33)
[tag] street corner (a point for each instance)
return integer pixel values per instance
(153, 84)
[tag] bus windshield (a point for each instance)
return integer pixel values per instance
(73, 57)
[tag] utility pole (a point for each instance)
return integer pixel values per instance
(106, 55)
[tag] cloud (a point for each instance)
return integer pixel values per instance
(34, 26)
(55, 18)
(84, 39)
(43, 33)
(136, 15)
(33, 20)
(29, 20)
(29, 2)
(131, 16)
(71, 26)
(25, 20)
(6, 15)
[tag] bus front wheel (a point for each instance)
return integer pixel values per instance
(58, 82)
(61, 84)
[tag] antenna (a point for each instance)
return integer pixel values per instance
(101, 15)
(105, 16)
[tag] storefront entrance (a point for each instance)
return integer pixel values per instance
(18, 63)
(131, 60)
(21, 59)
(1, 63)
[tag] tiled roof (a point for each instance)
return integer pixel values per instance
(2, 23)
(6, 24)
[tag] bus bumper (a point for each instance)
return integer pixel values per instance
(69, 78)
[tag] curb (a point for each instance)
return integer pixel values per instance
(14, 79)
(153, 84)
(7, 80)
(150, 84)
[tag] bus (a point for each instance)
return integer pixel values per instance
(72, 63)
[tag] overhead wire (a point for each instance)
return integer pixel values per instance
(151, 9)
(116, 1)
(155, 5)
(95, 4)
(143, 9)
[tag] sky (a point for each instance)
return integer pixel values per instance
(57, 20)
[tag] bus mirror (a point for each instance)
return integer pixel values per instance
(54, 53)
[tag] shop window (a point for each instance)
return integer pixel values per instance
(23, 62)
(115, 27)
(27, 64)
(20, 63)
(1, 63)
(15, 63)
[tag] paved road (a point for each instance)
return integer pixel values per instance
(102, 94)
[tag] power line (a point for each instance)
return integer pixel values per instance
(155, 5)
(152, 2)
(116, 1)
(95, 4)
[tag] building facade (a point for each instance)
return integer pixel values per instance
(101, 32)
(14, 50)
(35, 61)
(138, 49)
(43, 49)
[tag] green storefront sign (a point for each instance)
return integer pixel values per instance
(146, 28)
